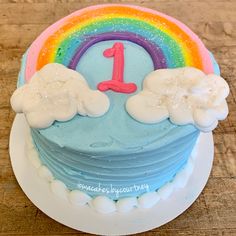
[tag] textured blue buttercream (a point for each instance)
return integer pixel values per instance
(21, 76)
(114, 151)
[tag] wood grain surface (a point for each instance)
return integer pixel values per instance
(214, 212)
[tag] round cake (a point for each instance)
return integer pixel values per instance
(128, 119)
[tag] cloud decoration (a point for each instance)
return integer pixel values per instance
(57, 93)
(184, 95)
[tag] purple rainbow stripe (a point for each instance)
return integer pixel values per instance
(154, 51)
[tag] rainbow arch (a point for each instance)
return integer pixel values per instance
(170, 43)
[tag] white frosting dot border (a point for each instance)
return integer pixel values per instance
(103, 204)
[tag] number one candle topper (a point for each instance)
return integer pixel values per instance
(117, 83)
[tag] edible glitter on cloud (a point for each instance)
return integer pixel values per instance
(184, 95)
(57, 93)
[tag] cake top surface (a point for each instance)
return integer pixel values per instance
(151, 40)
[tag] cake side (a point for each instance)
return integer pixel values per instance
(150, 168)
(102, 203)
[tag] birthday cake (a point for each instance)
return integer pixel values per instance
(116, 97)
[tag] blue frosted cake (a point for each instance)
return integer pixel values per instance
(116, 97)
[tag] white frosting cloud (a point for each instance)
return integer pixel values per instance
(185, 95)
(57, 93)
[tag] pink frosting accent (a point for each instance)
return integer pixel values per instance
(117, 82)
(38, 43)
(35, 47)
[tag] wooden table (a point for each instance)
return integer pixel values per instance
(214, 212)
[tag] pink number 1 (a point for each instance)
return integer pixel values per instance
(117, 83)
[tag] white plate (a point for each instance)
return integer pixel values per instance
(87, 220)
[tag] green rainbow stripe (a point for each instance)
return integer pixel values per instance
(173, 53)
